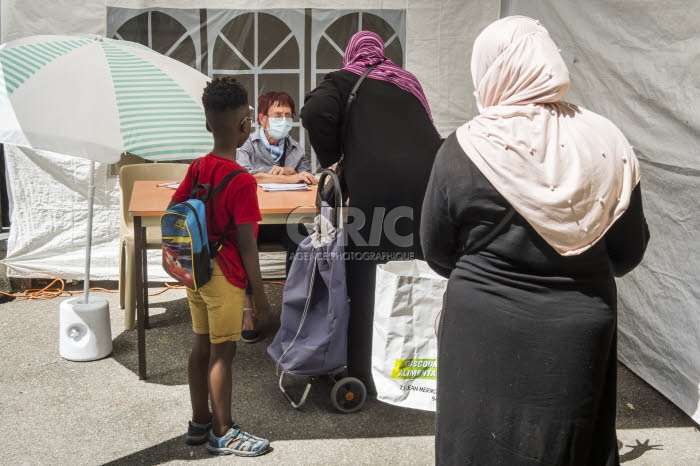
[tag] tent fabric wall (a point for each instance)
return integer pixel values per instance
(636, 62)
(439, 38)
(49, 207)
(48, 194)
(49, 211)
(22, 18)
(439, 35)
(438, 48)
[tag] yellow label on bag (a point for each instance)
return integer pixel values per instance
(415, 369)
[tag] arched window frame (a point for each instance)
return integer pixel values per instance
(189, 19)
(293, 19)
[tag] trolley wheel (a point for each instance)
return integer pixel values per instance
(348, 395)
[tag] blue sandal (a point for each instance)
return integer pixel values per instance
(237, 442)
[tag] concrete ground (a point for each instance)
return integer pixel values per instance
(56, 411)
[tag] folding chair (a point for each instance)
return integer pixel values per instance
(128, 174)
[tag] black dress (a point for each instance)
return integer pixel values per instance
(389, 151)
(527, 340)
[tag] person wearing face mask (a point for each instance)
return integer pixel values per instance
(271, 155)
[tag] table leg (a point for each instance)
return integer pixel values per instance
(140, 249)
(144, 277)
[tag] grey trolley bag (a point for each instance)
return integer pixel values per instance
(313, 336)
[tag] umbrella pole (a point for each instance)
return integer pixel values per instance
(91, 200)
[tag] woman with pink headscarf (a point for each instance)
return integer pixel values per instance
(527, 339)
(389, 143)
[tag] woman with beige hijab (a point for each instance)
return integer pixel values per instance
(533, 207)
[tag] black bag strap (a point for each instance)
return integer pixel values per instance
(491, 234)
(351, 99)
(353, 92)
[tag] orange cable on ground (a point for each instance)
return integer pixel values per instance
(44, 293)
(49, 293)
(271, 282)
(168, 287)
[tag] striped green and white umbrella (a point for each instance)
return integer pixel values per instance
(97, 98)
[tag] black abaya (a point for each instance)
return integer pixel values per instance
(389, 149)
(527, 343)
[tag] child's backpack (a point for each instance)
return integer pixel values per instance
(187, 253)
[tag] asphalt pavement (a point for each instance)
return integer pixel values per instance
(56, 411)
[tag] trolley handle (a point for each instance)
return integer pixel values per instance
(338, 207)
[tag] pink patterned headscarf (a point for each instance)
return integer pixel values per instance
(568, 171)
(367, 48)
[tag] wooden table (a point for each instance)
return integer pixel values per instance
(149, 201)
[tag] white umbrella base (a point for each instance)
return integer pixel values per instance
(85, 333)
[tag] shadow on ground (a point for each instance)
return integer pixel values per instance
(168, 343)
(639, 406)
(636, 450)
(260, 407)
(258, 403)
(173, 450)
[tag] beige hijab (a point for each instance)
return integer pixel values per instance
(568, 171)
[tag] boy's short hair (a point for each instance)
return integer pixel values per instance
(281, 98)
(223, 94)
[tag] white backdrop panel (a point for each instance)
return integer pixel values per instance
(638, 63)
(48, 195)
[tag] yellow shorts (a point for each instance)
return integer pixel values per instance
(217, 308)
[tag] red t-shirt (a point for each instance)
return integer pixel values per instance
(238, 200)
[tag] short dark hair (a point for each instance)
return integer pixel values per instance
(281, 98)
(224, 93)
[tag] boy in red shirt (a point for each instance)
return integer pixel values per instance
(217, 307)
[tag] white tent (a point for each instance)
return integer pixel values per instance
(636, 62)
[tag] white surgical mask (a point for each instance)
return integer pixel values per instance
(279, 127)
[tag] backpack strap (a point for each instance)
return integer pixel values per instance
(213, 251)
(196, 187)
(210, 193)
(491, 234)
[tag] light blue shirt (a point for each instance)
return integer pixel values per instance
(256, 158)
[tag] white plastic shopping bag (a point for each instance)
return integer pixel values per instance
(407, 303)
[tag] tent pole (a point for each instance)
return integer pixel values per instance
(91, 200)
(505, 8)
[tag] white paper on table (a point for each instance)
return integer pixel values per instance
(284, 187)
